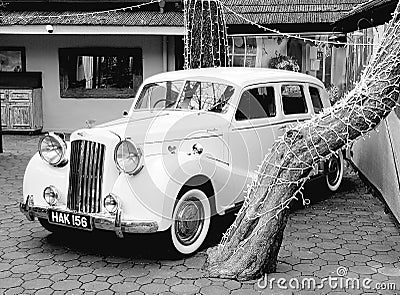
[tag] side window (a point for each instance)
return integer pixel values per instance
(256, 103)
(293, 99)
(316, 100)
(205, 96)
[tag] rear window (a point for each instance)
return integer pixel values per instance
(293, 99)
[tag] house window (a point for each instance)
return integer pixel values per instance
(100, 72)
(243, 51)
(293, 99)
(12, 59)
(256, 103)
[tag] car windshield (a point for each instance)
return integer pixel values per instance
(189, 95)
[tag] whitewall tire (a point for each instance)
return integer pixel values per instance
(334, 171)
(190, 221)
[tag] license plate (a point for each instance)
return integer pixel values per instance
(70, 219)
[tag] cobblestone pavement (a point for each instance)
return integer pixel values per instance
(347, 229)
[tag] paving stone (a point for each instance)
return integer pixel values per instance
(115, 279)
(390, 271)
(172, 281)
(203, 282)
(79, 270)
(195, 261)
(51, 269)
(162, 273)
(385, 258)
(95, 286)
(14, 291)
(358, 257)
(154, 288)
(331, 257)
(135, 272)
(87, 278)
(37, 284)
(212, 290)
(10, 282)
(125, 287)
(232, 285)
(48, 291)
(66, 285)
(24, 268)
(306, 268)
(364, 270)
(144, 280)
(191, 274)
(185, 289)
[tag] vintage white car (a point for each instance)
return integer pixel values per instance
(186, 150)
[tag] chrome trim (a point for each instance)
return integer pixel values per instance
(86, 176)
(100, 221)
(63, 160)
(140, 153)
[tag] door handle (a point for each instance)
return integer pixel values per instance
(209, 130)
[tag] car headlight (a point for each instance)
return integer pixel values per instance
(52, 149)
(51, 195)
(111, 204)
(128, 157)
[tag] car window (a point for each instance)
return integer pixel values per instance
(256, 103)
(293, 99)
(206, 96)
(159, 95)
(316, 99)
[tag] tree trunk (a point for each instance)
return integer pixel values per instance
(206, 42)
(250, 246)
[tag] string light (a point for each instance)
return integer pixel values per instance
(294, 36)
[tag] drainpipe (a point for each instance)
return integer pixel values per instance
(165, 53)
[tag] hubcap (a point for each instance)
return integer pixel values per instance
(333, 170)
(189, 220)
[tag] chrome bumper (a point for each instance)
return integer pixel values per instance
(114, 223)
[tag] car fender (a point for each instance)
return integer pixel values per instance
(39, 174)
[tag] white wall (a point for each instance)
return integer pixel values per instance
(68, 114)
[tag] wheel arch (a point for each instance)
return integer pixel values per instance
(203, 183)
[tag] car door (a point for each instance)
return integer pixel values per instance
(254, 128)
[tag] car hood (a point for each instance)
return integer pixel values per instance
(163, 126)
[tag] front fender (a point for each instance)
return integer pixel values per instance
(38, 175)
(151, 194)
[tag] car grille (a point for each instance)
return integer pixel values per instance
(86, 176)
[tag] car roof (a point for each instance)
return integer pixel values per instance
(240, 76)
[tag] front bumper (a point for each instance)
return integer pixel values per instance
(114, 223)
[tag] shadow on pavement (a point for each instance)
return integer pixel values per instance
(157, 246)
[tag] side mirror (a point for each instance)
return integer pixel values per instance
(125, 113)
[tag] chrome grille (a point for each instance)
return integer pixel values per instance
(86, 176)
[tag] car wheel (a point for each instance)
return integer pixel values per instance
(190, 221)
(334, 171)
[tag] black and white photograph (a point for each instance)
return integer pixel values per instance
(200, 147)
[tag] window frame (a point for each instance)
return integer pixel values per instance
(277, 102)
(306, 97)
(135, 52)
(23, 56)
(319, 89)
